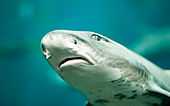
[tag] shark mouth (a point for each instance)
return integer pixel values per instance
(74, 60)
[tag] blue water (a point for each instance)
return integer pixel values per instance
(25, 77)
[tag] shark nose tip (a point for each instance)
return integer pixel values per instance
(46, 52)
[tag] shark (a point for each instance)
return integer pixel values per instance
(104, 71)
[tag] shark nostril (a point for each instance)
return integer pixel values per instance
(46, 52)
(43, 47)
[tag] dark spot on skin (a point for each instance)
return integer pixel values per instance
(102, 101)
(113, 81)
(118, 80)
(120, 96)
(134, 91)
(132, 97)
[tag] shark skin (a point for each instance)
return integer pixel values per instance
(104, 71)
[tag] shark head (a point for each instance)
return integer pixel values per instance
(103, 70)
(80, 57)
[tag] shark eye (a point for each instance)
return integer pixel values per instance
(98, 38)
(75, 41)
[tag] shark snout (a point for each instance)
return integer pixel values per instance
(58, 45)
(45, 50)
(61, 40)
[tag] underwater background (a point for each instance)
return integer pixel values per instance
(25, 77)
